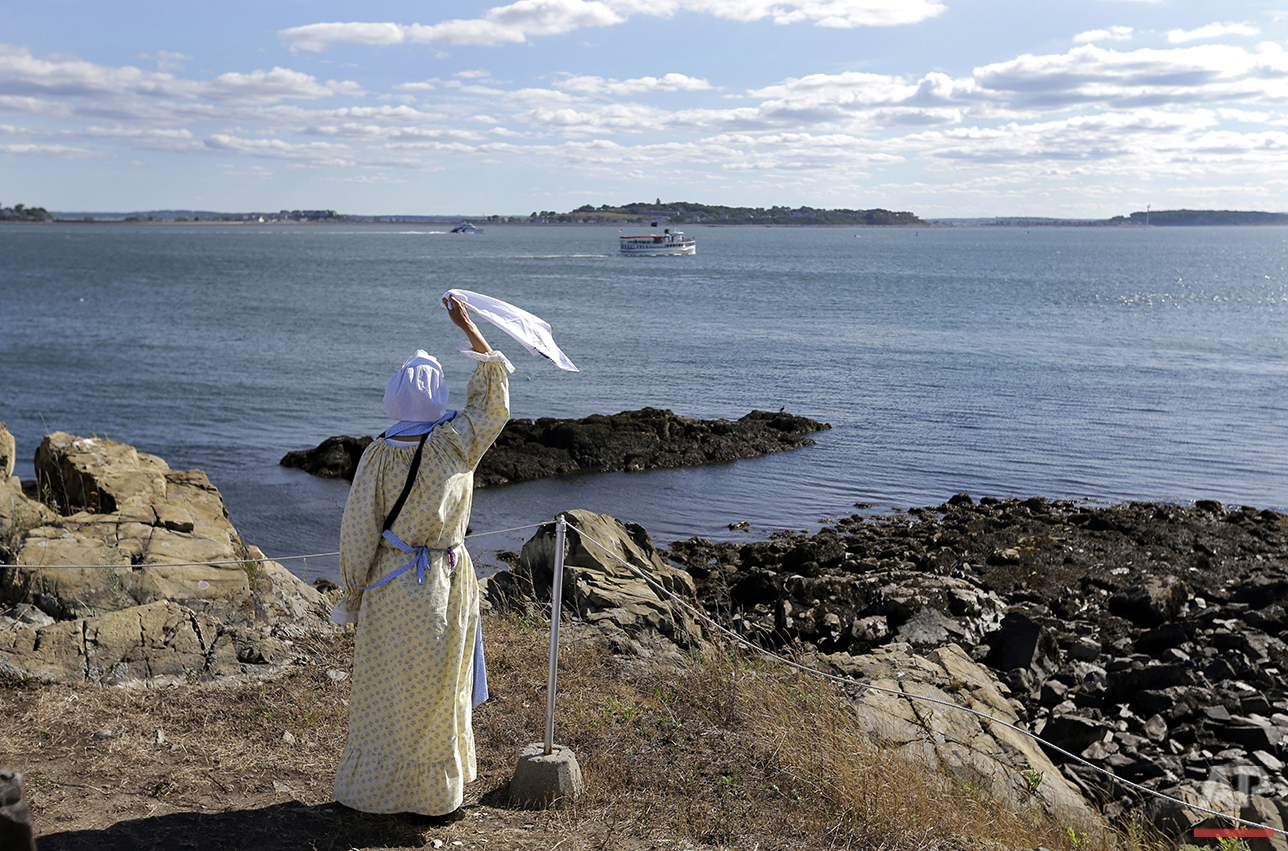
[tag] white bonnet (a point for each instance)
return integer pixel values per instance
(418, 391)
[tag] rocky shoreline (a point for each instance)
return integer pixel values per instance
(173, 595)
(647, 439)
(1148, 639)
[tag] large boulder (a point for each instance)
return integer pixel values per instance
(144, 578)
(333, 458)
(603, 560)
(16, 833)
(18, 513)
(8, 448)
(989, 750)
(96, 474)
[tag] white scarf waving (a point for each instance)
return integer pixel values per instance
(532, 332)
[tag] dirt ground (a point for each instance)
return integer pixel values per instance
(249, 765)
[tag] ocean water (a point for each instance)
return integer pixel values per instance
(1085, 363)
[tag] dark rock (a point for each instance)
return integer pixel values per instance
(333, 458)
(1124, 684)
(15, 818)
(1153, 702)
(1270, 619)
(635, 440)
(632, 440)
(1159, 599)
(1082, 649)
(1163, 637)
(1258, 704)
(1110, 585)
(1073, 733)
(1252, 737)
(1019, 642)
(1053, 693)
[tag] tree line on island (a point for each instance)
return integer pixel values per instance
(679, 212)
(1180, 218)
(23, 213)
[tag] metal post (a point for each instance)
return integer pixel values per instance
(556, 608)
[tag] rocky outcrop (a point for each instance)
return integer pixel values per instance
(1146, 639)
(632, 440)
(18, 513)
(635, 440)
(641, 622)
(139, 576)
(16, 833)
(333, 458)
(8, 452)
(600, 589)
(986, 750)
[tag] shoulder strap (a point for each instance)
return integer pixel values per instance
(411, 480)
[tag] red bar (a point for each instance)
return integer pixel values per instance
(1218, 832)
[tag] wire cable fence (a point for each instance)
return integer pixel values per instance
(249, 559)
(740, 640)
(663, 593)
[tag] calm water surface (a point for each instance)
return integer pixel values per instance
(1099, 364)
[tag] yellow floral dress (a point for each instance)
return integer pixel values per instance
(411, 744)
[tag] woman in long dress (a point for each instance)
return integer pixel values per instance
(412, 591)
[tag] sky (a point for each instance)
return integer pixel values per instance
(945, 108)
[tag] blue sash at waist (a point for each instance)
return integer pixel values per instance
(420, 560)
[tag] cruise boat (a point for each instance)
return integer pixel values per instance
(657, 244)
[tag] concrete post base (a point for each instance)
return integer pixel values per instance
(541, 780)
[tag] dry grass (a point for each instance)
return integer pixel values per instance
(727, 753)
(734, 752)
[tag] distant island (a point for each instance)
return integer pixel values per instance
(669, 213)
(23, 213)
(1184, 218)
(680, 212)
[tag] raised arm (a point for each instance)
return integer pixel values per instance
(461, 319)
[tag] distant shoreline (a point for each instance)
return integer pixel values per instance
(928, 225)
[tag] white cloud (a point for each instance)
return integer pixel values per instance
(23, 74)
(1109, 34)
(400, 114)
(629, 118)
(154, 139)
(667, 83)
(317, 37)
(526, 19)
(1090, 113)
(1211, 31)
(62, 152)
(318, 153)
(826, 13)
(1244, 116)
(421, 86)
(1092, 75)
(21, 105)
(168, 61)
(500, 25)
(272, 86)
